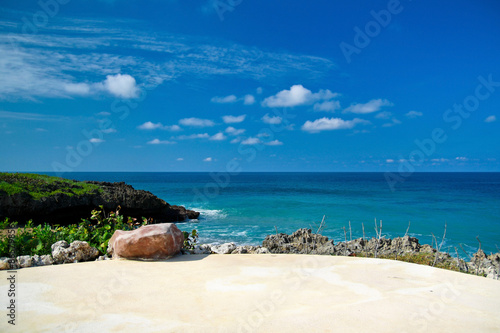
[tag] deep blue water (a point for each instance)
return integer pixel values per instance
(244, 208)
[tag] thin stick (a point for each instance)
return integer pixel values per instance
(407, 229)
(345, 237)
(350, 232)
(477, 237)
(468, 256)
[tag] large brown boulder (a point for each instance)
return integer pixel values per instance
(149, 242)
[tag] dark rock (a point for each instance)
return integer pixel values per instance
(64, 209)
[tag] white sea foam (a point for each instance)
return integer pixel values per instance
(210, 214)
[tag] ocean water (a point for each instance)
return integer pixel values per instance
(244, 208)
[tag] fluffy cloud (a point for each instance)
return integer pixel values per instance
(329, 124)
(297, 95)
(96, 140)
(224, 100)
(274, 143)
(272, 120)
(251, 141)
(233, 131)
(196, 122)
(193, 136)
(149, 126)
(490, 119)
(180, 159)
(372, 106)
(152, 126)
(160, 142)
(329, 106)
(414, 114)
(234, 119)
(218, 137)
(208, 159)
(393, 122)
(248, 100)
(123, 86)
(461, 158)
(77, 88)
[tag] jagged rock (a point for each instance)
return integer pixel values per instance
(4, 263)
(201, 249)
(301, 241)
(25, 261)
(104, 257)
(70, 207)
(78, 251)
(43, 260)
(149, 242)
(226, 248)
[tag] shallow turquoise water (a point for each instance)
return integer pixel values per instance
(244, 208)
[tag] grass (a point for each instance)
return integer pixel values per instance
(39, 186)
(422, 258)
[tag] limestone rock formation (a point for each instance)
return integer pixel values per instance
(78, 251)
(149, 242)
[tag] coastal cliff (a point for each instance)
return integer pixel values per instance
(56, 200)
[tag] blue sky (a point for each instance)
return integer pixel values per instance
(223, 85)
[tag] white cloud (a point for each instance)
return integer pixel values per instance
(274, 143)
(251, 141)
(173, 128)
(490, 119)
(96, 140)
(384, 115)
(193, 136)
(121, 85)
(152, 126)
(414, 114)
(440, 160)
(461, 158)
(196, 122)
(329, 124)
(208, 159)
(236, 140)
(259, 90)
(234, 119)
(233, 131)
(149, 126)
(30, 116)
(44, 65)
(248, 100)
(224, 100)
(372, 106)
(218, 137)
(104, 114)
(329, 106)
(272, 120)
(179, 159)
(77, 88)
(389, 160)
(109, 130)
(393, 122)
(160, 142)
(297, 95)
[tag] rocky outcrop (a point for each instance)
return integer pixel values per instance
(149, 242)
(78, 251)
(73, 204)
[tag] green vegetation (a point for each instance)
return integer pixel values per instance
(422, 258)
(97, 231)
(190, 239)
(39, 186)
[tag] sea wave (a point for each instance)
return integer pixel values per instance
(210, 214)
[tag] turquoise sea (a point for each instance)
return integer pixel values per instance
(246, 207)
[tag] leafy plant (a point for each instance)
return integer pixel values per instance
(190, 239)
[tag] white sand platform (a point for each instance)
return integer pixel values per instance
(250, 293)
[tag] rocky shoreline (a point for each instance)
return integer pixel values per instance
(68, 202)
(302, 241)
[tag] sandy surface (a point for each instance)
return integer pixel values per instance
(251, 293)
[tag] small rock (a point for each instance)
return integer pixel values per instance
(4, 263)
(201, 249)
(25, 261)
(226, 248)
(78, 251)
(262, 250)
